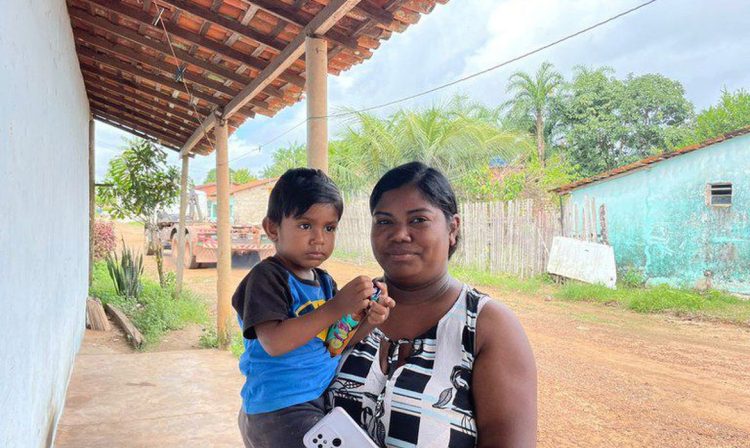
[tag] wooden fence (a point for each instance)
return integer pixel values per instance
(499, 237)
(586, 221)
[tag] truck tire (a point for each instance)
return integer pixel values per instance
(190, 262)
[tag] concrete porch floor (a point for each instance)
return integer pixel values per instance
(184, 398)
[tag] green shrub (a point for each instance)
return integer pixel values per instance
(631, 277)
(208, 338)
(681, 301)
(126, 272)
(155, 311)
(103, 239)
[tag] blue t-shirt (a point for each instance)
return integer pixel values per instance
(271, 292)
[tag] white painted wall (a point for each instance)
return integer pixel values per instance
(43, 217)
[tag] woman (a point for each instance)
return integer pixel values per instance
(450, 367)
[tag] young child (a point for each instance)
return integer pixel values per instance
(285, 306)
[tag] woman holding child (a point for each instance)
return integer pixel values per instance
(449, 367)
(446, 367)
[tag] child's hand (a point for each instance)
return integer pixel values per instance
(380, 310)
(354, 297)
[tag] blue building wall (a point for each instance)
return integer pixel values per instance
(659, 222)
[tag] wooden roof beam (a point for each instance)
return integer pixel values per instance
(196, 39)
(138, 103)
(115, 63)
(103, 80)
(154, 121)
(375, 13)
(299, 19)
(135, 71)
(225, 23)
(110, 81)
(133, 128)
(320, 24)
(165, 67)
(184, 56)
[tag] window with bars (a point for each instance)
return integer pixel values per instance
(719, 194)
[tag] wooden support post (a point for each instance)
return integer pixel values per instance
(92, 195)
(181, 225)
(223, 230)
(316, 69)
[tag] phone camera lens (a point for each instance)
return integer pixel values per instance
(336, 442)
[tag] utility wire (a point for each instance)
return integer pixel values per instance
(452, 83)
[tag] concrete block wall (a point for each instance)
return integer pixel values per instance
(250, 205)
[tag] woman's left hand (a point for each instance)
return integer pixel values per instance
(380, 310)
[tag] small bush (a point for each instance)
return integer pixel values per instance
(209, 339)
(631, 277)
(126, 272)
(155, 311)
(104, 239)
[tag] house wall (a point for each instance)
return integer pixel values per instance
(44, 219)
(250, 205)
(658, 220)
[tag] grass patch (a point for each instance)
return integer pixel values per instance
(479, 277)
(353, 256)
(210, 340)
(712, 305)
(155, 312)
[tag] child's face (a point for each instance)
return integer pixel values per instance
(306, 241)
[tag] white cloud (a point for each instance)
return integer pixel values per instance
(704, 45)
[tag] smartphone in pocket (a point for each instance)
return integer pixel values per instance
(337, 430)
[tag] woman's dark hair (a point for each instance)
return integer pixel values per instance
(433, 185)
(299, 189)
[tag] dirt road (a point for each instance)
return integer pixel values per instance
(609, 377)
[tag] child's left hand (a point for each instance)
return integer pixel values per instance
(380, 310)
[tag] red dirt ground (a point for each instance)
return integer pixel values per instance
(607, 377)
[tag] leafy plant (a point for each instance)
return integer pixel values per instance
(631, 277)
(126, 272)
(155, 311)
(141, 183)
(208, 338)
(104, 239)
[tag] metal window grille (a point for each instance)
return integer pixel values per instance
(720, 194)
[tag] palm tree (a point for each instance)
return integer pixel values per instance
(532, 95)
(457, 138)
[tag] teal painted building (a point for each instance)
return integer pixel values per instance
(681, 218)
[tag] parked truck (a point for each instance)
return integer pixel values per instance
(201, 242)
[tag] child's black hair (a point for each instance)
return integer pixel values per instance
(299, 189)
(433, 185)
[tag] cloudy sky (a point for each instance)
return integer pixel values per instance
(704, 44)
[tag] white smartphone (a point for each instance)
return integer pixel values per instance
(337, 430)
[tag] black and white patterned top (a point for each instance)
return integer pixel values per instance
(427, 402)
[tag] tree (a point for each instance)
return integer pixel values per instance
(240, 176)
(453, 138)
(606, 122)
(293, 156)
(652, 104)
(211, 176)
(141, 184)
(532, 97)
(731, 113)
(457, 138)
